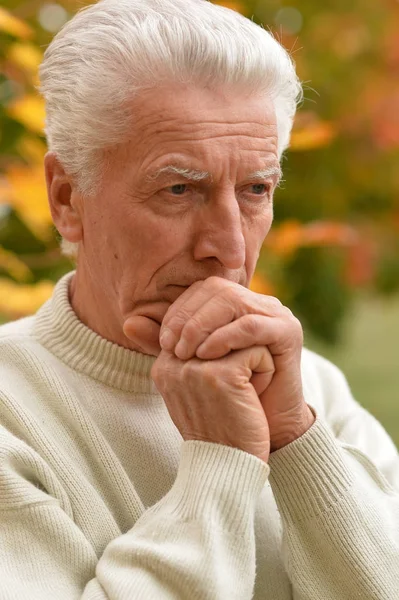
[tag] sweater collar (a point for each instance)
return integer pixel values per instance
(58, 328)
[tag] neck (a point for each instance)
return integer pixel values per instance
(97, 308)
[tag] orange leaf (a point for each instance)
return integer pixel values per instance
(286, 238)
(30, 111)
(19, 300)
(327, 233)
(14, 266)
(32, 149)
(315, 135)
(291, 235)
(14, 26)
(26, 56)
(261, 285)
(29, 198)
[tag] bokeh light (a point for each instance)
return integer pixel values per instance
(289, 19)
(52, 17)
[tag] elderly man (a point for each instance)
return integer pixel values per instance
(162, 432)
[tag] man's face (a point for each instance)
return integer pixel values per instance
(184, 199)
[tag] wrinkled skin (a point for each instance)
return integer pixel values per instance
(149, 239)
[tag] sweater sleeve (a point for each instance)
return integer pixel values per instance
(335, 488)
(197, 542)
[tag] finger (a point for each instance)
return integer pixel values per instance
(144, 333)
(177, 315)
(212, 315)
(229, 304)
(257, 359)
(261, 381)
(247, 331)
(183, 309)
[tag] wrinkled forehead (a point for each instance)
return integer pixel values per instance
(198, 120)
(176, 106)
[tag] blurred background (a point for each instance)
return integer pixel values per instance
(333, 253)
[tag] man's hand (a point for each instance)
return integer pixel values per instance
(215, 317)
(218, 401)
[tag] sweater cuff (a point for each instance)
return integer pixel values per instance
(309, 475)
(217, 483)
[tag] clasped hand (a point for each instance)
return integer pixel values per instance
(229, 368)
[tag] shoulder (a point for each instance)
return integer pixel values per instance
(326, 388)
(317, 367)
(23, 362)
(14, 330)
(18, 345)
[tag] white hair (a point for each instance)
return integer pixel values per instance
(110, 51)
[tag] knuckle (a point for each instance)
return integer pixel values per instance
(208, 371)
(190, 369)
(287, 311)
(250, 324)
(158, 377)
(164, 371)
(192, 326)
(232, 291)
(213, 374)
(295, 322)
(215, 281)
(274, 302)
(296, 328)
(179, 319)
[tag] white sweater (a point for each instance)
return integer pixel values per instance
(100, 498)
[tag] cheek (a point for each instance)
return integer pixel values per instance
(255, 233)
(258, 228)
(147, 242)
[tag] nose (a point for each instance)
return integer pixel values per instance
(219, 232)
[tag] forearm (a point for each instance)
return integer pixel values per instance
(197, 542)
(340, 520)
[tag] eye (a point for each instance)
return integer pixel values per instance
(260, 188)
(178, 190)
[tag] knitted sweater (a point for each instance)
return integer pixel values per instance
(100, 498)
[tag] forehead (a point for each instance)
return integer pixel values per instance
(192, 114)
(198, 128)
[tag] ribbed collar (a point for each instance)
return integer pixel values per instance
(58, 328)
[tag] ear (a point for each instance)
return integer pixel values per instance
(65, 204)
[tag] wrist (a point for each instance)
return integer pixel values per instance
(298, 429)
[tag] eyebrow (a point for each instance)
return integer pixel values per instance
(193, 175)
(266, 173)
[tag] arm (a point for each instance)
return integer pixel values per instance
(197, 542)
(334, 487)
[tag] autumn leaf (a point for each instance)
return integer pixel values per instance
(27, 57)
(28, 195)
(291, 235)
(14, 266)
(5, 191)
(328, 233)
(32, 149)
(28, 110)
(14, 26)
(261, 285)
(314, 136)
(286, 238)
(18, 300)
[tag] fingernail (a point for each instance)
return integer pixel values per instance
(181, 349)
(167, 340)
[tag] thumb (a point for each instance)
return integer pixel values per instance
(144, 333)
